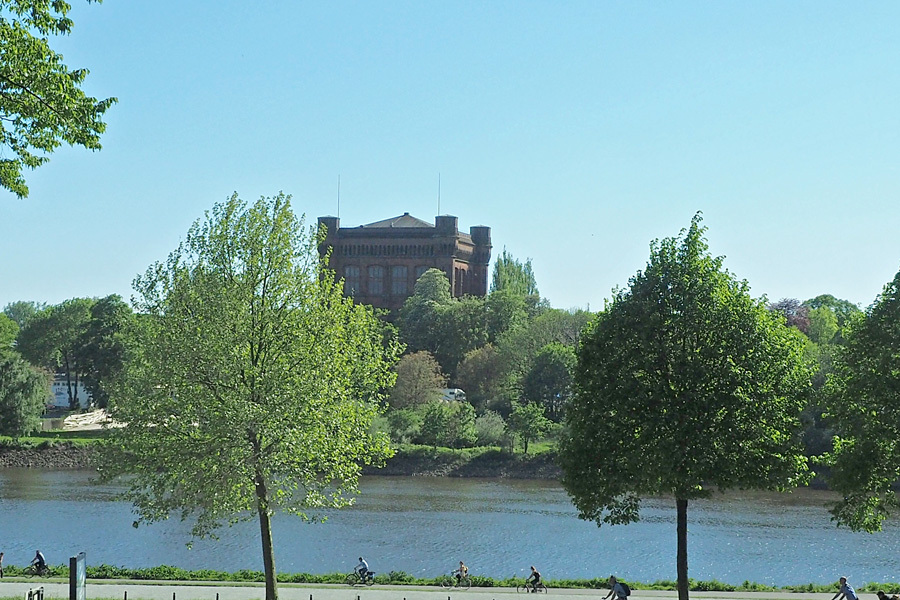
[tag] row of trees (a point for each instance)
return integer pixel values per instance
(249, 384)
(510, 351)
(84, 340)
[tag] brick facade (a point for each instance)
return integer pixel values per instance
(380, 262)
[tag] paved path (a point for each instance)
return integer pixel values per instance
(143, 590)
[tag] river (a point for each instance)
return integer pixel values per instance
(424, 525)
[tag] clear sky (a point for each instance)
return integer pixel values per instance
(578, 131)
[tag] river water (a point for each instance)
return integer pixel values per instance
(424, 526)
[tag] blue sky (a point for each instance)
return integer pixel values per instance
(579, 131)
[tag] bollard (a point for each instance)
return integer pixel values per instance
(217, 595)
(173, 595)
(126, 595)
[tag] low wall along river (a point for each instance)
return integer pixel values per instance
(426, 525)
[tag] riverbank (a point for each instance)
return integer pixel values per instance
(208, 590)
(175, 576)
(409, 460)
(49, 455)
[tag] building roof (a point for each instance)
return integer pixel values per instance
(404, 220)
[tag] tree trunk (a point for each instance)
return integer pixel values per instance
(681, 561)
(265, 530)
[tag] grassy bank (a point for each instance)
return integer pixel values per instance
(44, 449)
(47, 439)
(168, 573)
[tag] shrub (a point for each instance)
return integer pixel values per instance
(490, 429)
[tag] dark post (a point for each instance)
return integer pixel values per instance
(77, 574)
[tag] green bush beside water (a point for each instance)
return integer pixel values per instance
(169, 573)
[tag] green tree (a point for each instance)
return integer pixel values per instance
(23, 392)
(490, 429)
(504, 311)
(419, 381)
(22, 310)
(450, 424)
(256, 383)
(519, 346)
(684, 384)
(106, 346)
(42, 104)
(844, 310)
(823, 325)
(435, 427)
(528, 423)
(8, 332)
(481, 376)
(865, 406)
(54, 339)
(513, 275)
(549, 380)
(447, 327)
(419, 322)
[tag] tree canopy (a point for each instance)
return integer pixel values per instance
(419, 381)
(513, 275)
(864, 404)
(684, 383)
(42, 103)
(22, 310)
(55, 338)
(23, 391)
(256, 382)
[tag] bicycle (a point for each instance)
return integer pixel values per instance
(354, 578)
(538, 587)
(32, 570)
(452, 582)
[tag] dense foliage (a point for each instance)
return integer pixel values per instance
(683, 382)
(23, 390)
(255, 383)
(864, 402)
(42, 104)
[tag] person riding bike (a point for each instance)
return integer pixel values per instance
(39, 562)
(461, 572)
(362, 569)
(534, 579)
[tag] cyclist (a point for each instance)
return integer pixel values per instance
(534, 579)
(362, 569)
(39, 561)
(461, 573)
(616, 590)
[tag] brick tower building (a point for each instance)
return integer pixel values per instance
(380, 262)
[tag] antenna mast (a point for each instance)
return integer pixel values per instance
(439, 193)
(339, 197)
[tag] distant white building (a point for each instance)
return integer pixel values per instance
(453, 394)
(59, 393)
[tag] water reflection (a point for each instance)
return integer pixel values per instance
(426, 525)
